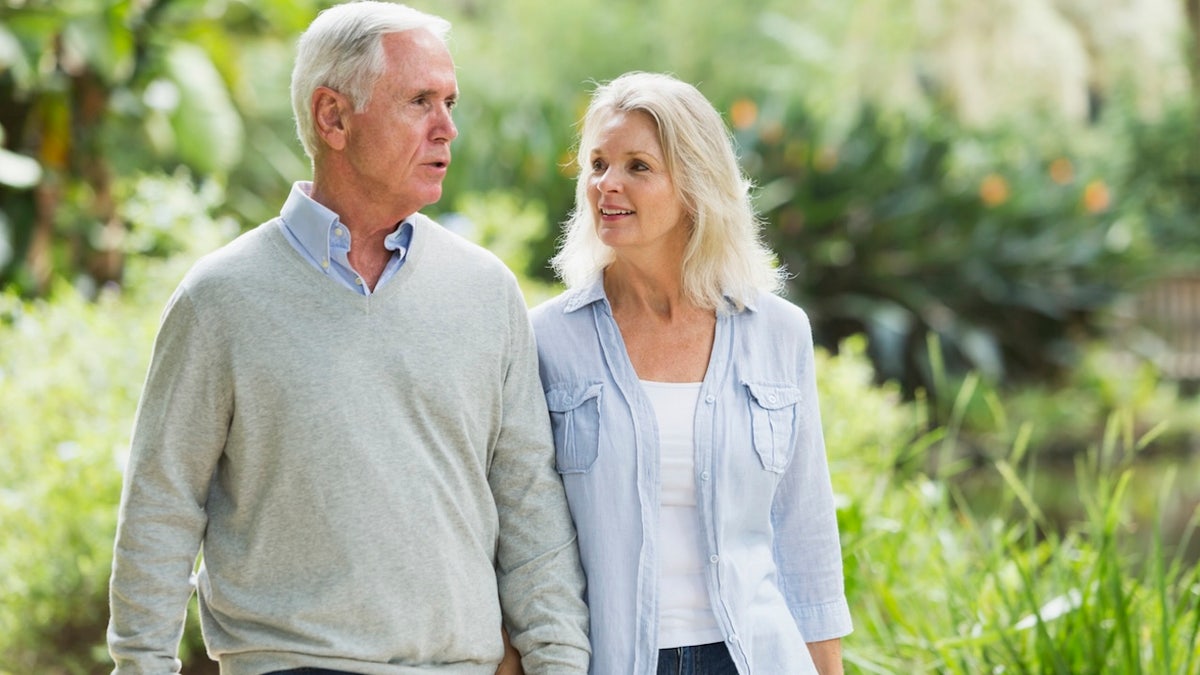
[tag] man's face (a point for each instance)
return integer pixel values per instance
(400, 144)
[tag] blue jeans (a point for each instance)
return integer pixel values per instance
(712, 659)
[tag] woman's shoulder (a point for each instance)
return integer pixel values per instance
(775, 312)
(565, 308)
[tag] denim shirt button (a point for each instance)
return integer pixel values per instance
(710, 398)
(714, 558)
(703, 475)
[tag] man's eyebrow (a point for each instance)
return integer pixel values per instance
(432, 93)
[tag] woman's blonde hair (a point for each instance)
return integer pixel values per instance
(725, 259)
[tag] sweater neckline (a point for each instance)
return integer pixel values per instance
(315, 279)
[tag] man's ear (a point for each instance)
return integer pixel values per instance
(331, 114)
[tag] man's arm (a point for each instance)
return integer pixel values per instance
(162, 518)
(538, 570)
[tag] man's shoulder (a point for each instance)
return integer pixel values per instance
(245, 255)
(450, 242)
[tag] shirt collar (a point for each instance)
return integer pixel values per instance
(308, 220)
(311, 223)
(593, 291)
(584, 295)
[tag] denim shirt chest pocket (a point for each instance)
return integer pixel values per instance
(773, 421)
(575, 420)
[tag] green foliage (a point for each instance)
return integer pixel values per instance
(942, 581)
(66, 405)
(903, 229)
(974, 540)
(897, 221)
(501, 223)
(96, 92)
(71, 372)
(950, 567)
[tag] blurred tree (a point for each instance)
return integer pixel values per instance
(94, 92)
(1193, 15)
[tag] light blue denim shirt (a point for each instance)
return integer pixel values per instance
(763, 492)
(319, 236)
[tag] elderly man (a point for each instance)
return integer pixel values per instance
(343, 412)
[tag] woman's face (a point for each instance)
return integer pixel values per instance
(631, 194)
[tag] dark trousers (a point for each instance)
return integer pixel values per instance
(308, 671)
(712, 659)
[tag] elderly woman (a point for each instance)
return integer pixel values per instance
(684, 406)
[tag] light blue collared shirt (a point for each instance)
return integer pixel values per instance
(767, 517)
(319, 235)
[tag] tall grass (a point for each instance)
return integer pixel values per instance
(938, 585)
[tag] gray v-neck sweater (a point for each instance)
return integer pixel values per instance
(370, 477)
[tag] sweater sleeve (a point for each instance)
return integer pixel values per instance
(179, 432)
(538, 569)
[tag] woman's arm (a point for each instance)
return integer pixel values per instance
(827, 654)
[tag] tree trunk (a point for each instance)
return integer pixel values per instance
(1193, 18)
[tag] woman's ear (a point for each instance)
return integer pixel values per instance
(331, 111)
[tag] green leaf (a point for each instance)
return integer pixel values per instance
(18, 171)
(209, 132)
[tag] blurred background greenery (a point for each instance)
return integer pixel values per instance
(988, 207)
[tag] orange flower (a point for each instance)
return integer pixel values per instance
(993, 190)
(826, 159)
(1096, 196)
(771, 133)
(1061, 171)
(743, 113)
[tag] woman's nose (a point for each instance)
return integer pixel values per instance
(607, 181)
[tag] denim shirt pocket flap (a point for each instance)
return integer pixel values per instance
(773, 419)
(575, 420)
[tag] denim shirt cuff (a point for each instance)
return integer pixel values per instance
(825, 621)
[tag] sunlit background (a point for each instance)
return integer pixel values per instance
(988, 208)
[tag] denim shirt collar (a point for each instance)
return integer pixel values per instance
(593, 291)
(584, 295)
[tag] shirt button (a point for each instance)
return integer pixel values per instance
(704, 475)
(733, 639)
(324, 264)
(337, 232)
(710, 398)
(714, 558)
(771, 398)
(358, 280)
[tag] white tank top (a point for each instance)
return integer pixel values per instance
(685, 615)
